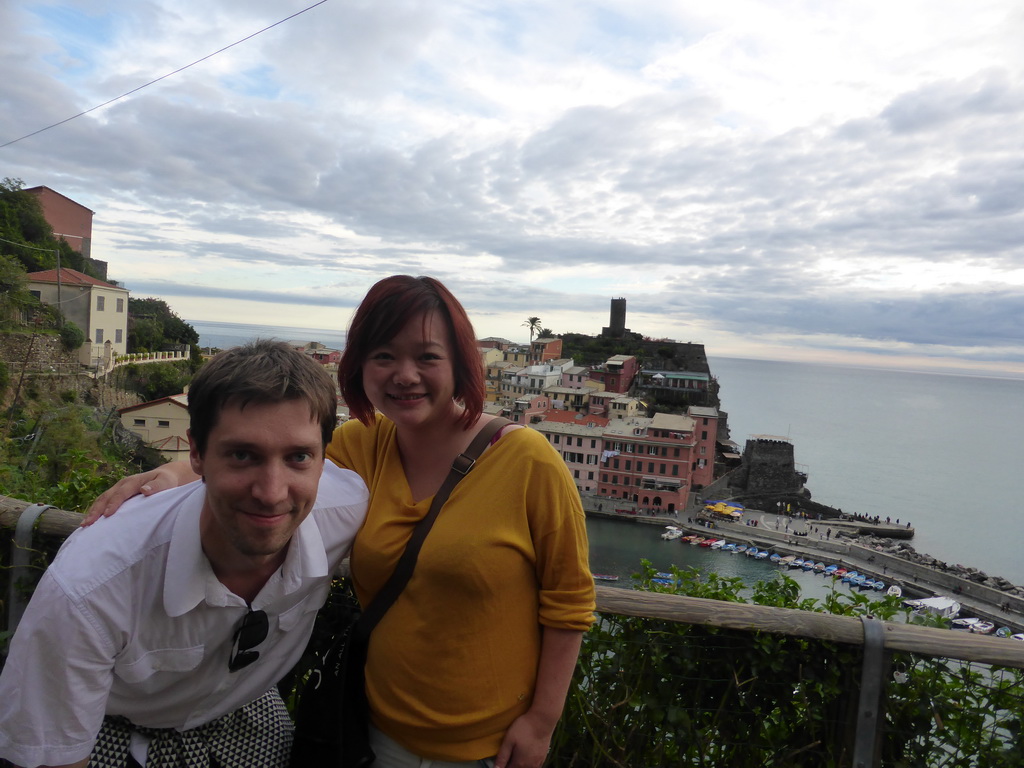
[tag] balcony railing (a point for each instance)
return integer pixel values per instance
(671, 680)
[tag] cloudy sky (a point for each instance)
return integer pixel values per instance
(834, 181)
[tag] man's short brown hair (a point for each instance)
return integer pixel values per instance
(261, 371)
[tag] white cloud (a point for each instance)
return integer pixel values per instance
(761, 176)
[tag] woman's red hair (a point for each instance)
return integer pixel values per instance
(385, 310)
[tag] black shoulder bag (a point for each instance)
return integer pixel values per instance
(332, 716)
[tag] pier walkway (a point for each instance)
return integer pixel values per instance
(801, 539)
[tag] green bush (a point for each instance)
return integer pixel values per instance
(652, 692)
(71, 336)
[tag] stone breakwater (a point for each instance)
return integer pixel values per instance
(906, 552)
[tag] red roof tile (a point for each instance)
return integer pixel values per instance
(67, 277)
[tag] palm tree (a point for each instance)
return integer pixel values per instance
(533, 323)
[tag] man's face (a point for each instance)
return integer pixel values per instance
(262, 466)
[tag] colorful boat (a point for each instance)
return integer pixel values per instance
(605, 577)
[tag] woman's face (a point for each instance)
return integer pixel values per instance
(411, 379)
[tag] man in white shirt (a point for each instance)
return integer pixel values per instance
(156, 636)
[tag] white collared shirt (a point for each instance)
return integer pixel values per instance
(130, 620)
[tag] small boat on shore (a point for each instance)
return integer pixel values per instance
(605, 577)
(796, 562)
(965, 624)
(672, 533)
(708, 542)
(944, 607)
(720, 544)
(819, 568)
(775, 557)
(840, 573)
(830, 570)
(762, 555)
(787, 561)
(741, 549)
(894, 591)
(983, 628)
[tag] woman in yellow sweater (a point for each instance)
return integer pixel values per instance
(474, 658)
(471, 664)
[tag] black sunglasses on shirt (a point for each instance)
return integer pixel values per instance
(250, 633)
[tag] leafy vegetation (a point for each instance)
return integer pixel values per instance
(152, 381)
(153, 325)
(60, 455)
(532, 324)
(653, 692)
(71, 336)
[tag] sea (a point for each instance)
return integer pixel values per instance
(940, 451)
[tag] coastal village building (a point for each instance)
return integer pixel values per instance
(494, 374)
(527, 410)
(68, 219)
(576, 377)
(495, 342)
(657, 462)
(615, 406)
(533, 379)
(100, 309)
(542, 350)
(675, 386)
(617, 373)
(490, 356)
(162, 424)
(579, 438)
(570, 398)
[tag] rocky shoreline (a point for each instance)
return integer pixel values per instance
(906, 552)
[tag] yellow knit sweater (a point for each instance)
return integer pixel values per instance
(454, 660)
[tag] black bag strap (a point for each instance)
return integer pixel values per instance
(407, 562)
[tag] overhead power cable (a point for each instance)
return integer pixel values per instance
(162, 77)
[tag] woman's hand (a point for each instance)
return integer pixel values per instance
(147, 483)
(526, 742)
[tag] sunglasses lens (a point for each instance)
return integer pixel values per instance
(250, 633)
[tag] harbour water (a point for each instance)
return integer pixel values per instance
(940, 451)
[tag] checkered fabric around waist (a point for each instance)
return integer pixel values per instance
(257, 735)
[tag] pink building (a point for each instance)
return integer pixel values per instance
(617, 373)
(657, 462)
(579, 439)
(527, 410)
